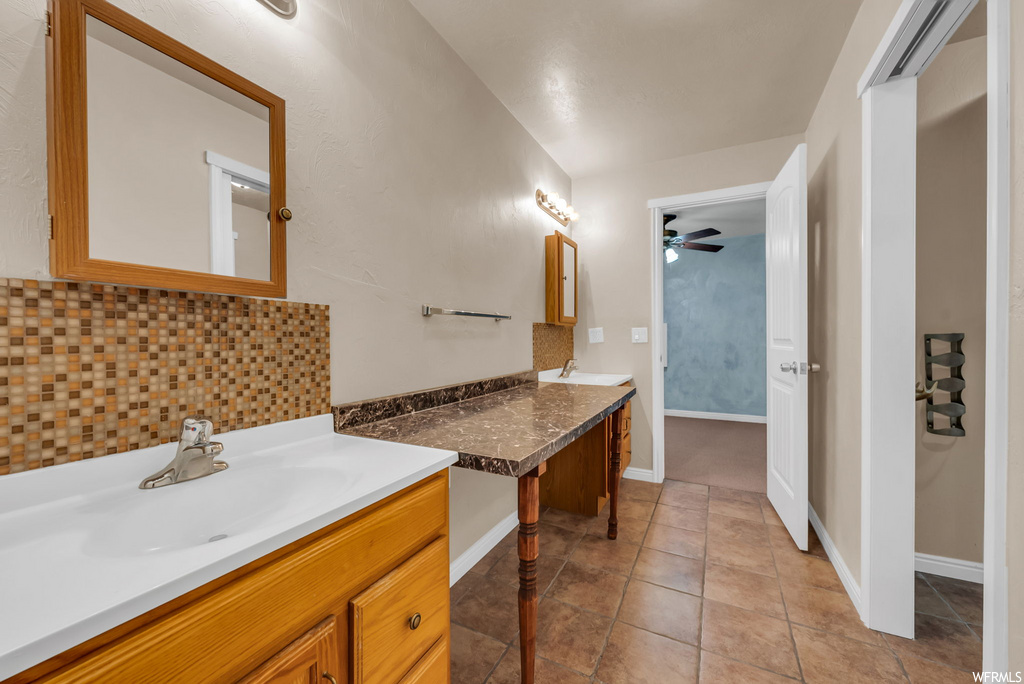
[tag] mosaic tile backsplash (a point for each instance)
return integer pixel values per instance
(88, 370)
(552, 345)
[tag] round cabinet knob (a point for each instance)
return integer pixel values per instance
(285, 213)
(415, 620)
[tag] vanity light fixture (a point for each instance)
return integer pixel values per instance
(284, 8)
(556, 207)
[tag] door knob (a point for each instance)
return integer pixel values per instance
(806, 368)
(787, 367)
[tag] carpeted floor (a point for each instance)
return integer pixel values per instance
(717, 453)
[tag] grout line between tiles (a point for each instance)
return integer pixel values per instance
(942, 597)
(785, 607)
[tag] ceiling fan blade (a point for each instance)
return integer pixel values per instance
(697, 235)
(702, 247)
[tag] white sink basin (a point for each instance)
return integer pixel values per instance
(83, 549)
(234, 502)
(580, 378)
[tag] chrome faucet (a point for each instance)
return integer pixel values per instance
(195, 457)
(568, 368)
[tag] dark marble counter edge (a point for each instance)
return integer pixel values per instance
(500, 466)
(356, 413)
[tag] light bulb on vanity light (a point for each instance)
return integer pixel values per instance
(552, 199)
(561, 203)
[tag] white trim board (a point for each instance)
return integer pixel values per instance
(705, 415)
(842, 569)
(471, 556)
(888, 355)
(969, 571)
(996, 644)
(642, 474)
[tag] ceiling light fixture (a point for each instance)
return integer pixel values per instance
(557, 207)
(670, 255)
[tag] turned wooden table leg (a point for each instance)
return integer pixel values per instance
(614, 473)
(529, 549)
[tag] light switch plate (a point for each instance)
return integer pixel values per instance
(596, 335)
(639, 335)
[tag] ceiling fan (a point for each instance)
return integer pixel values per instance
(673, 239)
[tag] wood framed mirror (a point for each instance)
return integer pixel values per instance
(166, 169)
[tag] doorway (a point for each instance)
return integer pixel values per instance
(891, 194)
(715, 344)
(786, 363)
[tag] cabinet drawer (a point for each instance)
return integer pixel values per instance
(398, 618)
(627, 410)
(627, 452)
(433, 668)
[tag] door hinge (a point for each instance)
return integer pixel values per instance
(49, 23)
(49, 226)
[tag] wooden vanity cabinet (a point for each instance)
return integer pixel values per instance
(364, 600)
(577, 477)
(310, 658)
(561, 286)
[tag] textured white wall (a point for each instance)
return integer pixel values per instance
(409, 181)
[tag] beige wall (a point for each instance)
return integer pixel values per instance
(409, 181)
(614, 235)
(834, 235)
(951, 253)
(1015, 474)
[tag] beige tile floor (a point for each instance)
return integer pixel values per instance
(703, 584)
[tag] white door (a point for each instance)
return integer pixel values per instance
(786, 272)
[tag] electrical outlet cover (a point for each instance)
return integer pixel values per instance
(639, 335)
(596, 335)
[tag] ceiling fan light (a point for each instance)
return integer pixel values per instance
(670, 255)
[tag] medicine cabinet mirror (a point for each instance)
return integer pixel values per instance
(166, 169)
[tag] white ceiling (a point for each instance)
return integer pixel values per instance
(733, 219)
(603, 84)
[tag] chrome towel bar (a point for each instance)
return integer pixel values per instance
(438, 311)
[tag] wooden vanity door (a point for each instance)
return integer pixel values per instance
(310, 659)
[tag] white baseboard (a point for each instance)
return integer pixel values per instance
(461, 565)
(639, 474)
(703, 415)
(842, 569)
(969, 571)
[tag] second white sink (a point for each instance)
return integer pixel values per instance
(580, 378)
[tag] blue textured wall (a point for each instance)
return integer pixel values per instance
(715, 311)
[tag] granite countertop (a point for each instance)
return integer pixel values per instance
(508, 432)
